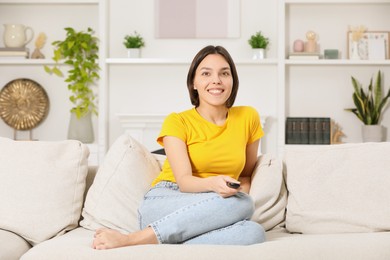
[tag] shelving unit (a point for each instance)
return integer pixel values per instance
(280, 87)
(50, 17)
(323, 69)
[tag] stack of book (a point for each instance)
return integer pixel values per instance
(14, 53)
(304, 56)
(308, 130)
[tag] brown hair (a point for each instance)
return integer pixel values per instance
(194, 65)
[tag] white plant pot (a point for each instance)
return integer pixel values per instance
(372, 133)
(258, 54)
(81, 128)
(134, 53)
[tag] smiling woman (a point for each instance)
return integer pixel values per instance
(205, 174)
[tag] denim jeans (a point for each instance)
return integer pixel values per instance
(199, 218)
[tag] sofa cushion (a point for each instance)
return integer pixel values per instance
(41, 187)
(338, 188)
(119, 186)
(76, 244)
(268, 191)
(12, 246)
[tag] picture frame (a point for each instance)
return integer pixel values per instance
(363, 44)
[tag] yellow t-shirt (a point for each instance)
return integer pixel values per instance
(212, 149)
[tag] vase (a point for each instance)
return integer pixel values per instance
(372, 133)
(258, 54)
(81, 128)
(355, 51)
(15, 35)
(134, 53)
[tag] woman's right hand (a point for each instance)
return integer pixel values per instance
(219, 185)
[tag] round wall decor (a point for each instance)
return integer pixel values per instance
(24, 104)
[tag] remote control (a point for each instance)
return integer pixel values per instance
(233, 185)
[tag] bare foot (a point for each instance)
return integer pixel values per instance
(109, 238)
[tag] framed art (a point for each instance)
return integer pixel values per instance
(373, 45)
(197, 19)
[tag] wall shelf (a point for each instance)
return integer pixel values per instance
(139, 61)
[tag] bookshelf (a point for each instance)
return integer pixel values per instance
(277, 87)
(322, 88)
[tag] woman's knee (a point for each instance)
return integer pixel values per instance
(254, 233)
(243, 204)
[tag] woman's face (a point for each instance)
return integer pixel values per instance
(213, 80)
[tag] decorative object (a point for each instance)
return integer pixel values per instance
(337, 133)
(259, 44)
(331, 54)
(369, 45)
(24, 104)
(81, 128)
(133, 44)
(369, 106)
(311, 43)
(197, 19)
(39, 43)
(80, 51)
(298, 46)
(15, 35)
(354, 36)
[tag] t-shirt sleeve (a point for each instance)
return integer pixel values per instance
(255, 128)
(173, 125)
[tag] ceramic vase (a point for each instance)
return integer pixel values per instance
(133, 53)
(372, 133)
(81, 128)
(16, 35)
(258, 54)
(355, 51)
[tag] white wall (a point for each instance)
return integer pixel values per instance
(156, 89)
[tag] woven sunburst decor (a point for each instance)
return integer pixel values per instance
(24, 104)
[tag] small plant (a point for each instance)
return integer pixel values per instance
(134, 40)
(80, 52)
(258, 41)
(370, 104)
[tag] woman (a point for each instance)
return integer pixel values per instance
(200, 196)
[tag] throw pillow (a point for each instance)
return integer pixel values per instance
(41, 188)
(119, 186)
(338, 188)
(268, 192)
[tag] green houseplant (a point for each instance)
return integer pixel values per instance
(370, 103)
(133, 43)
(79, 50)
(258, 41)
(259, 44)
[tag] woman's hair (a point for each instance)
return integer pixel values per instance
(194, 65)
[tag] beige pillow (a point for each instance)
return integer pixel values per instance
(268, 192)
(119, 186)
(41, 187)
(338, 188)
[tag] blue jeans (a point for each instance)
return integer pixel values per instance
(199, 218)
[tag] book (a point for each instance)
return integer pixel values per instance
(14, 52)
(13, 49)
(304, 56)
(308, 130)
(297, 130)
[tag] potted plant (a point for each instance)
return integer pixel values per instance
(79, 50)
(133, 43)
(369, 107)
(259, 44)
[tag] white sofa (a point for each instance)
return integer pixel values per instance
(323, 202)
